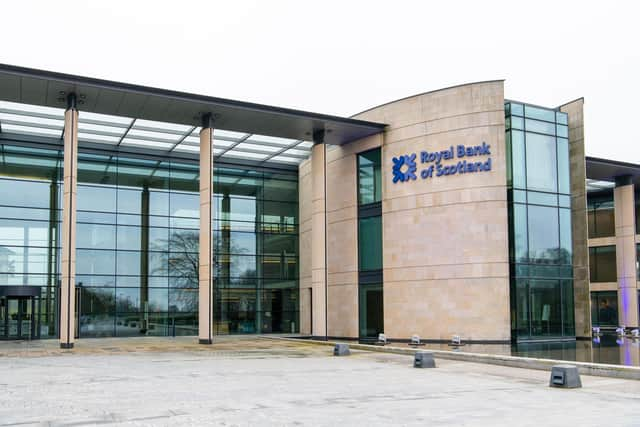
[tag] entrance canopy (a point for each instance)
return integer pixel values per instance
(159, 121)
(19, 291)
(602, 173)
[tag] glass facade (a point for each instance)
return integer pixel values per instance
(137, 242)
(370, 289)
(30, 222)
(539, 222)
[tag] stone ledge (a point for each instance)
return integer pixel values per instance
(585, 368)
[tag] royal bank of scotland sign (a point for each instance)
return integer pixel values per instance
(471, 159)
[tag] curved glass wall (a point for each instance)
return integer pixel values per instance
(539, 222)
(137, 242)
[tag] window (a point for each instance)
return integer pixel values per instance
(544, 237)
(541, 163)
(602, 264)
(369, 177)
(370, 282)
(600, 216)
(604, 308)
(370, 243)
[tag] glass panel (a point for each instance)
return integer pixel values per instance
(546, 308)
(520, 233)
(100, 199)
(566, 247)
(568, 308)
(185, 205)
(95, 236)
(542, 198)
(518, 159)
(509, 158)
(97, 312)
(517, 122)
(95, 262)
(280, 189)
(130, 201)
(540, 127)
(517, 109)
(602, 264)
(562, 131)
(564, 201)
(563, 166)
(539, 113)
(129, 238)
(562, 118)
(519, 196)
(370, 243)
(600, 216)
(369, 177)
(522, 320)
(604, 308)
(370, 310)
(541, 163)
(25, 193)
(544, 236)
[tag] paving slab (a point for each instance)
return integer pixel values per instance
(246, 382)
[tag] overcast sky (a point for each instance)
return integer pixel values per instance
(341, 57)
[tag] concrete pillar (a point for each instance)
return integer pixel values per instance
(68, 235)
(624, 204)
(318, 240)
(205, 267)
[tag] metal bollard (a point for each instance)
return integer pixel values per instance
(565, 376)
(341, 350)
(424, 359)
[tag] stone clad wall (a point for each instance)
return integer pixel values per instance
(579, 235)
(304, 227)
(342, 219)
(445, 239)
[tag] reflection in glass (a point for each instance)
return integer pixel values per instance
(544, 238)
(600, 215)
(540, 224)
(604, 308)
(137, 241)
(541, 163)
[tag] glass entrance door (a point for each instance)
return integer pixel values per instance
(18, 319)
(370, 311)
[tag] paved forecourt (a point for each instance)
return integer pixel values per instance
(267, 382)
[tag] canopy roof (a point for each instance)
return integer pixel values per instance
(32, 102)
(603, 171)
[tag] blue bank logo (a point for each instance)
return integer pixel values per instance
(404, 168)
